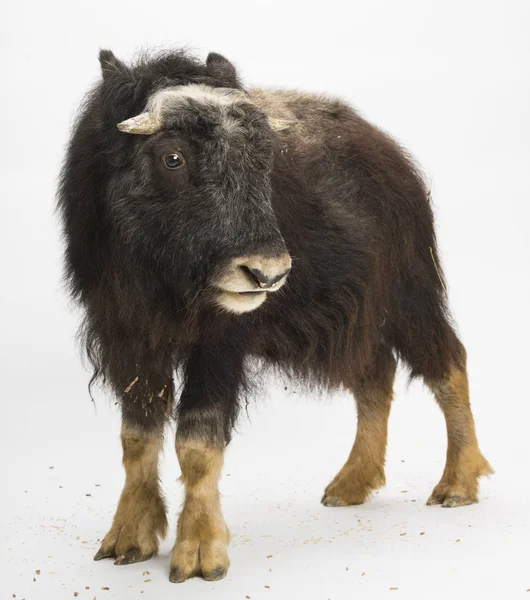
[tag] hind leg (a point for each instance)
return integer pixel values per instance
(364, 470)
(465, 463)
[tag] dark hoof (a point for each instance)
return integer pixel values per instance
(450, 501)
(435, 499)
(215, 574)
(176, 575)
(454, 501)
(332, 501)
(101, 555)
(133, 555)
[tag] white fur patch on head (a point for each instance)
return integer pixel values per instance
(172, 99)
(169, 99)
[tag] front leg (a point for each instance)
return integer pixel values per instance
(140, 518)
(206, 412)
(202, 535)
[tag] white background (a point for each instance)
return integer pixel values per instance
(451, 81)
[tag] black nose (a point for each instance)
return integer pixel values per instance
(264, 282)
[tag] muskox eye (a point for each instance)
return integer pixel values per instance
(173, 161)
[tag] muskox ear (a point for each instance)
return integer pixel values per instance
(110, 65)
(221, 68)
(118, 90)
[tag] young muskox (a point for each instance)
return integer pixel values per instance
(208, 226)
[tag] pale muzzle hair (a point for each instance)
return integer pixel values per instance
(151, 121)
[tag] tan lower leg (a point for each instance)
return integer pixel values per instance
(202, 536)
(364, 470)
(140, 518)
(465, 463)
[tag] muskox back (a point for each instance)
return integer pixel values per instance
(357, 219)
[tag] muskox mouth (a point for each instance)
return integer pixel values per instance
(240, 302)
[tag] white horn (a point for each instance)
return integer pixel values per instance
(280, 124)
(144, 124)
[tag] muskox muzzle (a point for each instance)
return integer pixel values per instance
(243, 283)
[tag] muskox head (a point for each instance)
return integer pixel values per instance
(192, 189)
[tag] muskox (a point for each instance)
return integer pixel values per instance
(209, 227)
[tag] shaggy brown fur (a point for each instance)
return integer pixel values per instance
(157, 254)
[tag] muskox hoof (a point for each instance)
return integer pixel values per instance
(206, 559)
(333, 501)
(459, 485)
(215, 574)
(353, 498)
(101, 554)
(454, 501)
(139, 521)
(176, 575)
(134, 555)
(452, 495)
(435, 499)
(450, 501)
(351, 487)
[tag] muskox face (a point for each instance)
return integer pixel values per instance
(195, 192)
